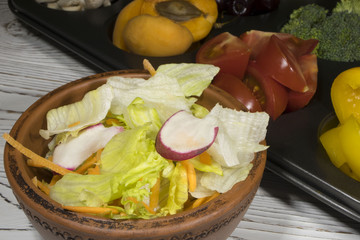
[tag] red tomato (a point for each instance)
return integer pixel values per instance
(272, 95)
(278, 62)
(226, 51)
(257, 39)
(298, 46)
(235, 87)
(308, 64)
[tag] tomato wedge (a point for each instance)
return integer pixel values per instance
(226, 51)
(297, 100)
(257, 39)
(235, 87)
(278, 62)
(275, 95)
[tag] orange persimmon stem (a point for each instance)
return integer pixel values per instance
(92, 210)
(191, 174)
(35, 160)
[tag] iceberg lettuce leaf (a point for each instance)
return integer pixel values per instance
(90, 110)
(160, 92)
(224, 183)
(239, 136)
(192, 77)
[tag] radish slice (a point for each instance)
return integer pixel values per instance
(73, 153)
(184, 136)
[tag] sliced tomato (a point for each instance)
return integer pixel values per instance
(278, 62)
(257, 39)
(272, 95)
(309, 67)
(298, 46)
(235, 87)
(226, 51)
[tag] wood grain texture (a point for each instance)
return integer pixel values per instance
(31, 66)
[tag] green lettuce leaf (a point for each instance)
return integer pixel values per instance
(141, 115)
(85, 190)
(213, 167)
(178, 191)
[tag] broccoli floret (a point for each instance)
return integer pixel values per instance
(338, 33)
(340, 37)
(350, 6)
(303, 20)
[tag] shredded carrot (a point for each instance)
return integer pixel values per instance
(35, 160)
(144, 204)
(198, 202)
(40, 185)
(94, 170)
(203, 200)
(44, 163)
(154, 197)
(212, 197)
(93, 210)
(134, 200)
(89, 162)
(148, 208)
(54, 179)
(149, 67)
(191, 174)
(74, 124)
(86, 164)
(205, 158)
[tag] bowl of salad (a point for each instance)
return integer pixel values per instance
(137, 154)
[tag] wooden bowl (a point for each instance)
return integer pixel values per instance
(216, 219)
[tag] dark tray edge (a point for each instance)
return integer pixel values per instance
(58, 39)
(326, 198)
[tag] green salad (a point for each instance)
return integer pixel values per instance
(107, 142)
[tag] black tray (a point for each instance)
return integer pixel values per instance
(295, 152)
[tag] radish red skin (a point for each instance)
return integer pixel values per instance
(171, 153)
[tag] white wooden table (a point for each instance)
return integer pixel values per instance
(30, 66)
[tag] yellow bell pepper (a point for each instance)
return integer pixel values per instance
(342, 143)
(345, 94)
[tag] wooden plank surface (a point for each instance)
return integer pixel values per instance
(31, 66)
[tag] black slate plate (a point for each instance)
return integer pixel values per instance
(295, 152)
